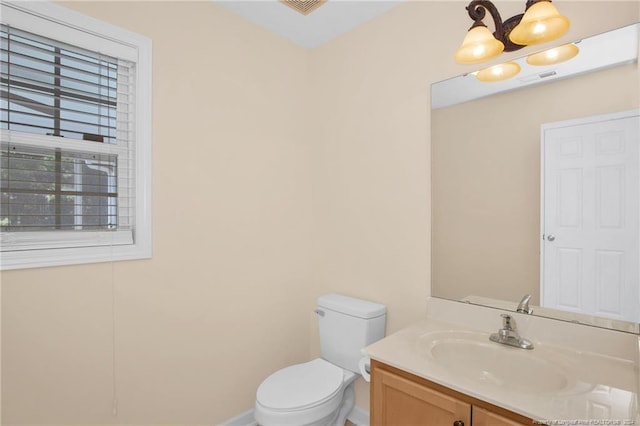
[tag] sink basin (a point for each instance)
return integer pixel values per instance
(471, 356)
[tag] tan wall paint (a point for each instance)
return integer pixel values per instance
(296, 207)
(486, 182)
(372, 159)
(224, 301)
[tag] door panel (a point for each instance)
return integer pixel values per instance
(590, 257)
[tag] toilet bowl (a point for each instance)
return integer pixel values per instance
(320, 392)
(315, 393)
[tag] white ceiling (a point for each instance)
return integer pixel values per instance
(328, 21)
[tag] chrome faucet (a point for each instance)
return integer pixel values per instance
(523, 307)
(508, 335)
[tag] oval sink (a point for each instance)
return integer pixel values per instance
(472, 356)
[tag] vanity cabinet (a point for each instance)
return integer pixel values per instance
(482, 417)
(399, 398)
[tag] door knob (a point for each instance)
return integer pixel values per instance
(458, 423)
(551, 237)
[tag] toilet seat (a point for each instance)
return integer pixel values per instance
(301, 386)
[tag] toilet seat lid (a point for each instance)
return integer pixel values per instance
(300, 385)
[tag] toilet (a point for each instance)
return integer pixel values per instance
(320, 392)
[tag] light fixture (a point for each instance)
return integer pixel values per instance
(540, 23)
(498, 72)
(478, 46)
(553, 56)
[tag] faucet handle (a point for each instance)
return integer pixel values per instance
(507, 322)
(523, 306)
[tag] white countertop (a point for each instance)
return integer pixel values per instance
(601, 385)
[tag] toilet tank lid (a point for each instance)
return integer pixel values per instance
(351, 306)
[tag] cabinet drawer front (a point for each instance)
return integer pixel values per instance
(402, 402)
(482, 417)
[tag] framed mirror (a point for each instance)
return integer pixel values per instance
(489, 203)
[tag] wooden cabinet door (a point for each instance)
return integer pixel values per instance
(482, 417)
(402, 402)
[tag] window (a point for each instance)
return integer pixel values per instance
(75, 146)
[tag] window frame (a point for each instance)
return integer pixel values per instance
(47, 248)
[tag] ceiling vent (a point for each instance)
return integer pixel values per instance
(304, 7)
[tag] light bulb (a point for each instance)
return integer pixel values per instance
(479, 45)
(541, 23)
(553, 56)
(498, 72)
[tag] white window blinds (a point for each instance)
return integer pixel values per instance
(66, 161)
(57, 89)
(75, 138)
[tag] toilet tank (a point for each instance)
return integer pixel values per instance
(346, 326)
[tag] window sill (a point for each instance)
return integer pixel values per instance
(72, 256)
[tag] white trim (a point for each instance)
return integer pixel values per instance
(242, 419)
(54, 21)
(591, 119)
(38, 141)
(542, 226)
(68, 256)
(69, 26)
(62, 239)
(359, 416)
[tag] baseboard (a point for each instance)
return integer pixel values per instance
(359, 416)
(243, 419)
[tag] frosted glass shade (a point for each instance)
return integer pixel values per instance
(541, 23)
(553, 56)
(498, 72)
(478, 46)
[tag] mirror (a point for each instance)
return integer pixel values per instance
(488, 171)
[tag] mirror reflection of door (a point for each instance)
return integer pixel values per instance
(590, 216)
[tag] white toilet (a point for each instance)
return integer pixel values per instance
(320, 392)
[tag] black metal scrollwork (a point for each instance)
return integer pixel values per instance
(477, 11)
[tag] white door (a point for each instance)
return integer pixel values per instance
(590, 216)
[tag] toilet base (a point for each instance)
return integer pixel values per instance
(349, 401)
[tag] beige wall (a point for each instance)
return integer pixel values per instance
(372, 157)
(486, 182)
(224, 301)
(312, 175)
